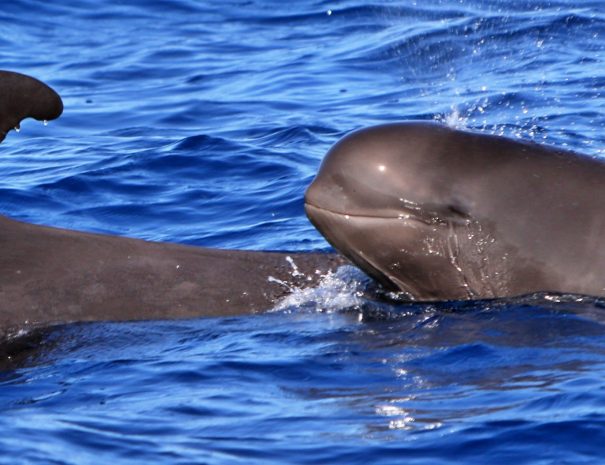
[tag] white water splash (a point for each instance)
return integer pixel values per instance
(454, 119)
(343, 288)
(18, 333)
(295, 271)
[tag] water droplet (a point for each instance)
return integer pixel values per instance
(45, 122)
(17, 129)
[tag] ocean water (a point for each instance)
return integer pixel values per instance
(202, 123)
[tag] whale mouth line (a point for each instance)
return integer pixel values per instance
(403, 215)
(340, 213)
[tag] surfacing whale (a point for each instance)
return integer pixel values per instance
(435, 213)
(50, 276)
(442, 214)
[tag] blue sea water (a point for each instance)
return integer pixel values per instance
(202, 123)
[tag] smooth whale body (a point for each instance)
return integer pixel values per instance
(442, 214)
(50, 276)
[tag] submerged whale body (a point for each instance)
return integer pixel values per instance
(442, 214)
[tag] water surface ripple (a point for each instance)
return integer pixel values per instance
(202, 123)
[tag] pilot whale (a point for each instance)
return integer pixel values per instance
(50, 276)
(431, 212)
(442, 214)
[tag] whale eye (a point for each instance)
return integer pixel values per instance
(455, 210)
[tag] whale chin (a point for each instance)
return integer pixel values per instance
(340, 230)
(403, 253)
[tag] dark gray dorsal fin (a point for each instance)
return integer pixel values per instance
(23, 97)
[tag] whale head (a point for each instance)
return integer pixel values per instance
(395, 201)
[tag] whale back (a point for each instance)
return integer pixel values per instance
(51, 276)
